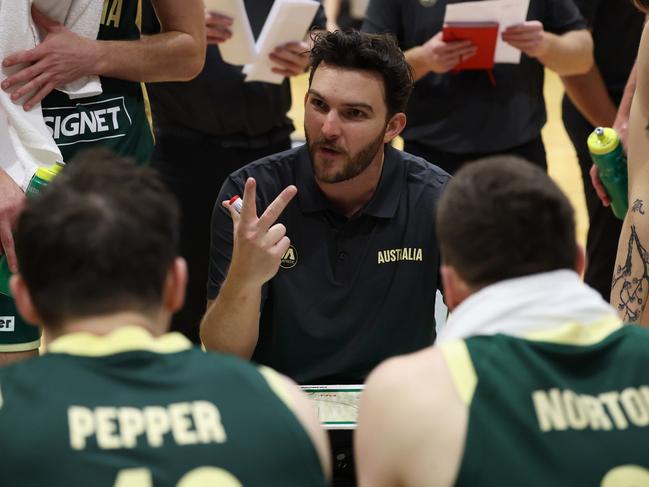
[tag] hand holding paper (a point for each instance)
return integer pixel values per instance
(290, 59)
(217, 27)
(444, 56)
(505, 13)
(240, 46)
(528, 37)
(287, 22)
(483, 37)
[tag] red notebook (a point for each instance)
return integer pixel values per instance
(482, 34)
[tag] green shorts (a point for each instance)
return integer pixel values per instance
(16, 335)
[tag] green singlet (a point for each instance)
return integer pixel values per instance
(567, 407)
(128, 410)
(118, 119)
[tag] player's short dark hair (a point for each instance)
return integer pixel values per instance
(99, 239)
(502, 217)
(642, 5)
(379, 53)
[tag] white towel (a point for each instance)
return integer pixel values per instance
(526, 305)
(25, 141)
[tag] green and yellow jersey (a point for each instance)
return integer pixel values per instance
(119, 118)
(563, 408)
(15, 334)
(129, 410)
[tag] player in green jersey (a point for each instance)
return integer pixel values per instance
(117, 401)
(534, 380)
(118, 118)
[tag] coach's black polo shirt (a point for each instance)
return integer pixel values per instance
(349, 292)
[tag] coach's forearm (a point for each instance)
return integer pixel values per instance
(231, 323)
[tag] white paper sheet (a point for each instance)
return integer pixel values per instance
(287, 21)
(505, 12)
(240, 48)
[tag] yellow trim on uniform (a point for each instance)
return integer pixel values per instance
(21, 347)
(125, 339)
(459, 363)
(277, 385)
(145, 93)
(573, 333)
(138, 16)
(147, 109)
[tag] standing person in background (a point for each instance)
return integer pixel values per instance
(116, 119)
(212, 126)
(117, 400)
(592, 100)
(455, 118)
(630, 288)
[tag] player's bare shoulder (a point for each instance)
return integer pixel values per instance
(413, 401)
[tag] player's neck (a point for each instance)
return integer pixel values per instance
(350, 196)
(105, 324)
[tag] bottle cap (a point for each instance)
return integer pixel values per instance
(603, 140)
(48, 173)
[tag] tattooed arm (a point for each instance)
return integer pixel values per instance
(630, 289)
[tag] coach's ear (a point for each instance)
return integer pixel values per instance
(23, 300)
(456, 289)
(395, 126)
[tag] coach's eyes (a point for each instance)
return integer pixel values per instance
(318, 104)
(355, 113)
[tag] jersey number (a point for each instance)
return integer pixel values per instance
(625, 476)
(141, 477)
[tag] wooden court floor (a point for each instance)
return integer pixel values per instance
(562, 162)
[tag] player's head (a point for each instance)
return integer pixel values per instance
(359, 51)
(501, 218)
(642, 5)
(101, 238)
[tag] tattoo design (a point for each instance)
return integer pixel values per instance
(638, 207)
(633, 289)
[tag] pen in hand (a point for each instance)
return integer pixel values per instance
(236, 202)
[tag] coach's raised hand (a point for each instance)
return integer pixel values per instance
(231, 323)
(259, 242)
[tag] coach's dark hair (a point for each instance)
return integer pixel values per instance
(99, 239)
(642, 5)
(501, 218)
(379, 53)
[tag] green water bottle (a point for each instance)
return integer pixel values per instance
(608, 155)
(39, 180)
